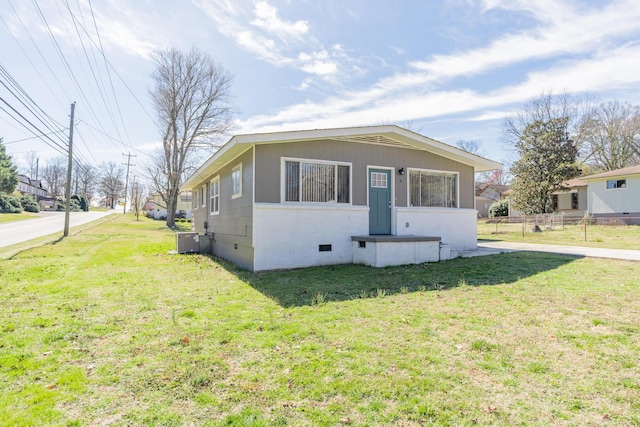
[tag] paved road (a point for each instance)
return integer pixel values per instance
(488, 248)
(48, 223)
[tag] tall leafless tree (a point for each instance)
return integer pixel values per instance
(86, 179)
(547, 107)
(111, 183)
(612, 136)
(191, 100)
(54, 175)
(31, 164)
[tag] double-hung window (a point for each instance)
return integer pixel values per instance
(214, 187)
(433, 188)
(317, 181)
(203, 195)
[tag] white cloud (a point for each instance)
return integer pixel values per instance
(563, 31)
(267, 19)
(604, 71)
(280, 42)
(317, 63)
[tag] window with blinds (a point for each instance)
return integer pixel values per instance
(433, 189)
(317, 182)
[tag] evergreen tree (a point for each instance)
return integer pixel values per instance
(8, 172)
(547, 157)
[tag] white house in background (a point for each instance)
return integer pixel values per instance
(615, 194)
(156, 208)
(31, 187)
(378, 195)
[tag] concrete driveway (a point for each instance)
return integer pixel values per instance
(489, 248)
(47, 223)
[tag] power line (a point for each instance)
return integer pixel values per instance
(32, 137)
(59, 148)
(91, 68)
(24, 98)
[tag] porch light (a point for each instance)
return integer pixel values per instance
(401, 171)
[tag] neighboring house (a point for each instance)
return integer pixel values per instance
(31, 187)
(34, 188)
(487, 194)
(615, 194)
(571, 199)
(303, 198)
(157, 209)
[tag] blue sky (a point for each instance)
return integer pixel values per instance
(450, 70)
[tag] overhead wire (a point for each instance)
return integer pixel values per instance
(48, 131)
(99, 84)
(37, 47)
(106, 66)
(23, 97)
(66, 63)
(53, 143)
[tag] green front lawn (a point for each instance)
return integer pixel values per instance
(599, 236)
(106, 328)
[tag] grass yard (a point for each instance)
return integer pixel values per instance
(106, 328)
(598, 236)
(8, 217)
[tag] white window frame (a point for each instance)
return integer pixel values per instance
(457, 174)
(624, 187)
(283, 183)
(235, 194)
(214, 184)
(194, 201)
(203, 196)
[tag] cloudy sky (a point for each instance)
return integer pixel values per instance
(449, 69)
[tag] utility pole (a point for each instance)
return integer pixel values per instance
(68, 189)
(126, 182)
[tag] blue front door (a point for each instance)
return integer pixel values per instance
(379, 201)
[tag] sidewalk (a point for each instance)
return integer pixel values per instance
(490, 248)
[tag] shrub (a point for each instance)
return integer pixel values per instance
(81, 201)
(499, 208)
(10, 204)
(29, 205)
(74, 206)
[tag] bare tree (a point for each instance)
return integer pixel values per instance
(612, 136)
(546, 108)
(111, 184)
(55, 176)
(471, 146)
(31, 164)
(86, 179)
(191, 101)
(137, 198)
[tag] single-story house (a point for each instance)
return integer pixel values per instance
(157, 209)
(572, 198)
(615, 194)
(331, 196)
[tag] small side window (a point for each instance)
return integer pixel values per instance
(236, 181)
